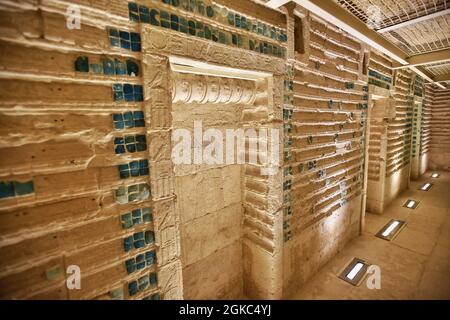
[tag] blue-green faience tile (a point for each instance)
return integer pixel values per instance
(165, 19)
(96, 68)
(141, 138)
(134, 165)
(207, 31)
(138, 236)
(143, 163)
(147, 214)
(244, 24)
(144, 10)
(128, 89)
(121, 192)
(120, 68)
(201, 8)
(23, 188)
(230, 18)
(138, 97)
(234, 39)
(54, 273)
(215, 35)
(134, 17)
(149, 237)
(140, 265)
(114, 33)
(155, 296)
(133, 188)
(129, 139)
(153, 278)
(118, 140)
(6, 189)
(183, 25)
(128, 243)
(119, 149)
(132, 6)
(251, 45)
(82, 64)
(192, 29)
(273, 33)
(131, 148)
(222, 38)
(116, 294)
(138, 115)
(153, 17)
(136, 46)
(133, 288)
(108, 67)
(210, 11)
(132, 68)
(150, 257)
(139, 244)
(237, 20)
(127, 222)
(124, 174)
(134, 172)
(119, 125)
(115, 42)
(144, 283)
(135, 37)
(124, 35)
(130, 265)
(124, 44)
(174, 22)
(118, 96)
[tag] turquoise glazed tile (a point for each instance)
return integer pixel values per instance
(82, 64)
(23, 188)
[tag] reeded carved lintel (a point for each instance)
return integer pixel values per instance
(193, 88)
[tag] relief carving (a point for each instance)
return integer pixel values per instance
(190, 88)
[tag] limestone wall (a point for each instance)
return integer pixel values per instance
(439, 144)
(380, 97)
(324, 150)
(79, 108)
(88, 120)
(396, 120)
(425, 130)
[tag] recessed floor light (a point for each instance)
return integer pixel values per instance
(391, 229)
(425, 187)
(354, 271)
(411, 204)
(435, 175)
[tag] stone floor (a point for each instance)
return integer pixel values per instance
(415, 265)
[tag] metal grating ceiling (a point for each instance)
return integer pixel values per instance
(422, 37)
(438, 69)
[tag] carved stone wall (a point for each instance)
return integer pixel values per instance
(325, 110)
(87, 177)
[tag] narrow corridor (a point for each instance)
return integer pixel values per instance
(415, 265)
